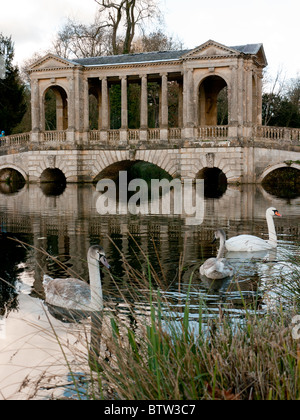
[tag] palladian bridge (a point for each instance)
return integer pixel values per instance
(243, 149)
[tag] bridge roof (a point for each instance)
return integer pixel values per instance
(157, 56)
(148, 57)
(208, 50)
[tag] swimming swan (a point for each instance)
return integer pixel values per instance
(75, 294)
(249, 243)
(217, 268)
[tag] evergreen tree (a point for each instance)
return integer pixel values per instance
(12, 90)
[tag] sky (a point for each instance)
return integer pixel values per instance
(275, 23)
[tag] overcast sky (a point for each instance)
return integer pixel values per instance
(34, 23)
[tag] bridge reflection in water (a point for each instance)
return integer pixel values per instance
(66, 225)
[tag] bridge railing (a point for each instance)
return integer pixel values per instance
(211, 132)
(151, 135)
(277, 133)
(15, 140)
(54, 136)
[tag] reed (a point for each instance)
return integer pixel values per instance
(167, 361)
(163, 358)
(155, 354)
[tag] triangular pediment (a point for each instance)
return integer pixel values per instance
(210, 49)
(51, 61)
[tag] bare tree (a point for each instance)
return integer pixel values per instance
(123, 17)
(156, 41)
(78, 40)
(272, 94)
(293, 92)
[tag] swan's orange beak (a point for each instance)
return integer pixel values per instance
(277, 214)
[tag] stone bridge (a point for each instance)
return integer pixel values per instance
(99, 127)
(241, 162)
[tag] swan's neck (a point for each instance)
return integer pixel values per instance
(222, 248)
(272, 230)
(95, 285)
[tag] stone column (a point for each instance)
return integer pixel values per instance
(105, 109)
(71, 110)
(233, 104)
(86, 109)
(259, 97)
(249, 96)
(164, 101)
(240, 107)
(35, 111)
(124, 110)
(188, 104)
(164, 109)
(144, 107)
(180, 104)
(124, 104)
(248, 99)
(83, 117)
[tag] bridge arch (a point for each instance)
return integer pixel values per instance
(121, 160)
(54, 175)
(215, 181)
(272, 168)
(230, 162)
(15, 168)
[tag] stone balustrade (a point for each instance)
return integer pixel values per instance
(277, 133)
(151, 136)
(15, 140)
(54, 136)
(211, 132)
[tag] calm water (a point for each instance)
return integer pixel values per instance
(64, 225)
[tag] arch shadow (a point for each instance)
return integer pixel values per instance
(215, 182)
(282, 181)
(53, 182)
(12, 179)
(135, 169)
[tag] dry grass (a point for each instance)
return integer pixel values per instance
(156, 356)
(160, 358)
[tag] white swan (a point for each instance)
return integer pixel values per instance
(218, 268)
(74, 294)
(249, 243)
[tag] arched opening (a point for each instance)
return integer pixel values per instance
(215, 182)
(283, 182)
(11, 181)
(53, 182)
(127, 186)
(213, 102)
(56, 109)
(135, 169)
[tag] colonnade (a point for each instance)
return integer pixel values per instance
(200, 74)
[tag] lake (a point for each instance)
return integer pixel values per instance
(59, 226)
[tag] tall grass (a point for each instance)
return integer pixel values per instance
(167, 361)
(156, 355)
(162, 358)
